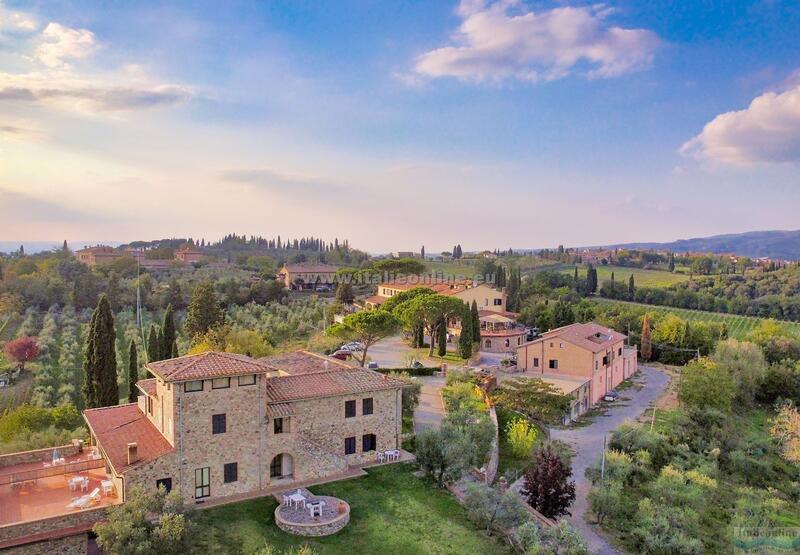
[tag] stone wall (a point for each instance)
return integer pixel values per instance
(87, 516)
(39, 455)
(71, 545)
(323, 422)
(242, 443)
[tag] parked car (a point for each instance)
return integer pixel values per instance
(611, 396)
(417, 364)
(373, 365)
(342, 355)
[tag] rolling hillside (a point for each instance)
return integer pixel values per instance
(773, 244)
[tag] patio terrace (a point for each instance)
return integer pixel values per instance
(37, 490)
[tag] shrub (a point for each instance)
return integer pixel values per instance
(520, 435)
(490, 509)
(607, 501)
(706, 384)
(547, 486)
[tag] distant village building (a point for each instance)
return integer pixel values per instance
(404, 254)
(102, 254)
(499, 330)
(583, 360)
(189, 254)
(99, 254)
(307, 277)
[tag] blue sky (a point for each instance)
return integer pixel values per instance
(490, 124)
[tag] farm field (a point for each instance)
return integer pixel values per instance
(642, 278)
(738, 326)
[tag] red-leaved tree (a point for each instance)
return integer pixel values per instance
(22, 350)
(547, 487)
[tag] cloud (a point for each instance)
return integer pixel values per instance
(15, 21)
(504, 40)
(59, 85)
(766, 132)
(58, 43)
(98, 93)
(278, 182)
(20, 131)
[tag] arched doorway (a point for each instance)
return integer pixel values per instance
(488, 344)
(281, 466)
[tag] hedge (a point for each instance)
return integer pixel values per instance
(424, 371)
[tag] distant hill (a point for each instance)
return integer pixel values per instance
(773, 244)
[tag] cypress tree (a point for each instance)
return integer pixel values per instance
(100, 366)
(672, 262)
(647, 345)
(631, 288)
(133, 372)
(465, 339)
(442, 339)
(476, 322)
(612, 277)
(153, 346)
(167, 343)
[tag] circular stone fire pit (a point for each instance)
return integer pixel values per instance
(298, 521)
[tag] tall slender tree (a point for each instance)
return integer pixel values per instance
(153, 346)
(441, 339)
(476, 322)
(133, 371)
(100, 365)
(646, 344)
(204, 311)
(631, 288)
(465, 339)
(167, 345)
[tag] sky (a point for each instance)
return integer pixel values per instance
(399, 124)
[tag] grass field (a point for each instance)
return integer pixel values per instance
(642, 278)
(392, 512)
(738, 326)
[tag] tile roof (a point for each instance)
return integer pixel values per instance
(507, 314)
(116, 427)
(342, 381)
(590, 336)
(376, 299)
(148, 386)
(280, 410)
(303, 362)
(206, 366)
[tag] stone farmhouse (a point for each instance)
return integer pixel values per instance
(102, 254)
(218, 427)
(306, 277)
(499, 329)
(583, 360)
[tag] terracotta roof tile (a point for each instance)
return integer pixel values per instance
(328, 384)
(206, 366)
(592, 337)
(303, 362)
(148, 386)
(115, 427)
(376, 299)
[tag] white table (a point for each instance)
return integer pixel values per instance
(75, 482)
(393, 454)
(297, 498)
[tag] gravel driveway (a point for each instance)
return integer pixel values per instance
(587, 443)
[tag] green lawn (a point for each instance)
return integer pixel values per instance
(458, 269)
(642, 278)
(392, 512)
(738, 326)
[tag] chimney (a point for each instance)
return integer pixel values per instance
(133, 453)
